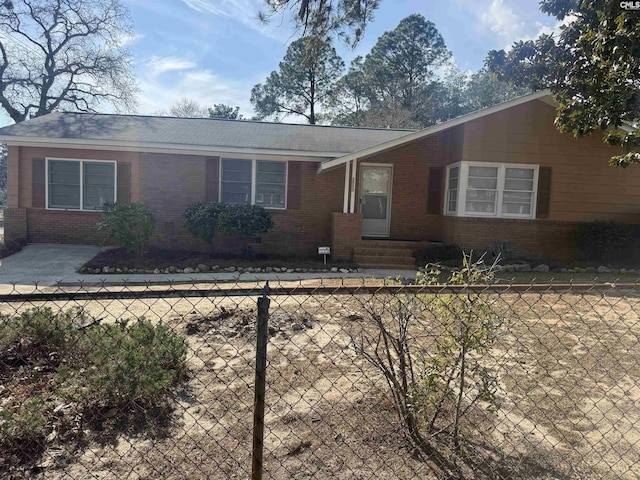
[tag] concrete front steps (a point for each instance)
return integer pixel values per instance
(387, 254)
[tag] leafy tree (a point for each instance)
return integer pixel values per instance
(484, 90)
(220, 110)
(202, 220)
(307, 76)
(64, 55)
(403, 60)
(592, 68)
(349, 102)
(322, 18)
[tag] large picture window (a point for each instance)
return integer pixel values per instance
(491, 190)
(80, 184)
(253, 182)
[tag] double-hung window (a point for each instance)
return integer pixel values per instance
(253, 182)
(80, 184)
(491, 190)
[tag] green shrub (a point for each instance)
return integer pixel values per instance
(126, 362)
(21, 429)
(244, 221)
(602, 240)
(131, 224)
(438, 252)
(202, 220)
(39, 327)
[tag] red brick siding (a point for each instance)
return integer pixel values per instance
(57, 226)
(346, 231)
(550, 238)
(15, 223)
(411, 162)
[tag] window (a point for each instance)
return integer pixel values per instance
(482, 190)
(452, 189)
(80, 184)
(236, 181)
(485, 190)
(270, 183)
(253, 182)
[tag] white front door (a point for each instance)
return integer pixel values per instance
(375, 200)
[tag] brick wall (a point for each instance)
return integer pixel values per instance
(15, 223)
(550, 238)
(52, 226)
(346, 231)
(409, 193)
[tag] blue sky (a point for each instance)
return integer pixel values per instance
(214, 51)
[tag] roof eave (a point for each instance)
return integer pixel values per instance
(146, 147)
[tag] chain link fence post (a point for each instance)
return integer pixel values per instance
(260, 382)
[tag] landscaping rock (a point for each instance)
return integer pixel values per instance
(522, 267)
(590, 270)
(156, 271)
(541, 268)
(344, 270)
(603, 269)
(334, 269)
(203, 268)
(230, 269)
(268, 269)
(298, 270)
(188, 270)
(173, 269)
(105, 269)
(215, 268)
(308, 323)
(509, 268)
(118, 270)
(305, 270)
(290, 270)
(296, 327)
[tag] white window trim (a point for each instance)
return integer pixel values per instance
(463, 178)
(254, 170)
(81, 161)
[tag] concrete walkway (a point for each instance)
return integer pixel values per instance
(50, 265)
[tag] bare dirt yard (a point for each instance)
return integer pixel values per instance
(569, 388)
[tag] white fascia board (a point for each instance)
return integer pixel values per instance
(431, 130)
(43, 142)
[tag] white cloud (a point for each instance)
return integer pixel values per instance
(502, 20)
(243, 11)
(159, 65)
(159, 92)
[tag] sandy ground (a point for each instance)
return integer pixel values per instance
(569, 370)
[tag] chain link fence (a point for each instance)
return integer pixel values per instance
(361, 380)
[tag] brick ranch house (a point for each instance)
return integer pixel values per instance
(504, 173)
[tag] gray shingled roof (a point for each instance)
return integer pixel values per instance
(200, 132)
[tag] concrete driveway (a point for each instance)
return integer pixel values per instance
(46, 264)
(50, 265)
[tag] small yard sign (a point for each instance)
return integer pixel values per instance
(324, 251)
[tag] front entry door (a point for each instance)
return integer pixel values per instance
(375, 200)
